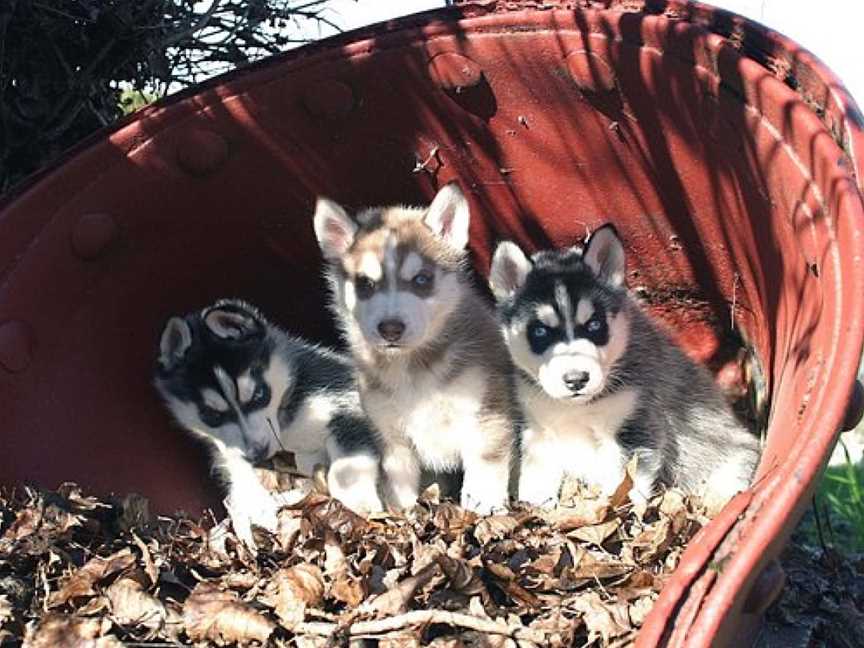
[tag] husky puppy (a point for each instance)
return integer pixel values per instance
(434, 374)
(599, 383)
(250, 390)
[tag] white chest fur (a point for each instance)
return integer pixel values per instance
(564, 420)
(566, 438)
(440, 419)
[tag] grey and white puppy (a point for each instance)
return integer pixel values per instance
(599, 382)
(434, 374)
(249, 389)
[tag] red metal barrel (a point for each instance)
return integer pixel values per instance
(728, 157)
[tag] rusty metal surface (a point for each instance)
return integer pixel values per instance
(726, 156)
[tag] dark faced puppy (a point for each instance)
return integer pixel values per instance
(567, 329)
(599, 383)
(249, 390)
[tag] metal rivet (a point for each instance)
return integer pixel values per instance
(855, 408)
(454, 71)
(201, 152)
(329, 99)
(591, 71)
(93, 233)
(16, 346)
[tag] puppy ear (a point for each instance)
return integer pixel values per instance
(604, 254)
(449, 215)
(334, 229)
(232, 324)
(509, 269)
(176, 340)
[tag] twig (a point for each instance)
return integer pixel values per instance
(421, 618)
(422, 165)
(734, 301)
(202, 21)
(821, 537)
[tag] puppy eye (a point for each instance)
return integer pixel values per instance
(365, 286)
(212, 417)
(594, 325)
(422, 279)
(261, 394)
(538, 331)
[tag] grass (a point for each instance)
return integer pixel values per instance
(838, 515)
(132, 100)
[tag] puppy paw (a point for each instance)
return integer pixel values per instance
(260, 512)
(353, 481)
(362, 498)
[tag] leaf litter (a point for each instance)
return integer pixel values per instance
(79, 571)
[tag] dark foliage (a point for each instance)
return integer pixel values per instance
(63, 63)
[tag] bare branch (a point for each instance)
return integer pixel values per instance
(419, 618)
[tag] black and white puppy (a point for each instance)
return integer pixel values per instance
(249, 390)
(600, 383)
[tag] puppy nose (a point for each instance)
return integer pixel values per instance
(575, 380)
(391, 329)
(257, 453)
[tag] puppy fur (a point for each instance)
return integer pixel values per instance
(600, 383)
(434, 375)
(250, 390)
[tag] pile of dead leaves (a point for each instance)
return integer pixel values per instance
(77, 571)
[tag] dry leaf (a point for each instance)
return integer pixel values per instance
(654, 540)
(605, 620)
(505, 579)
(343, 586)
(289, 527)
(463, 578)
(539, 567)
(147, 559)
(241, 580)
(349, 590)
(83, 582)
(587, 566)
(453, 519)
(26, 522)
(211, 614)
(291, 590)
(621, 495)
(582, 513)
(334, 557)
(396, 599)
(131, 605)
(94, 607)
(597, 533)
(330, 514)
(494, 527)
(67, 631)
(561, 628)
